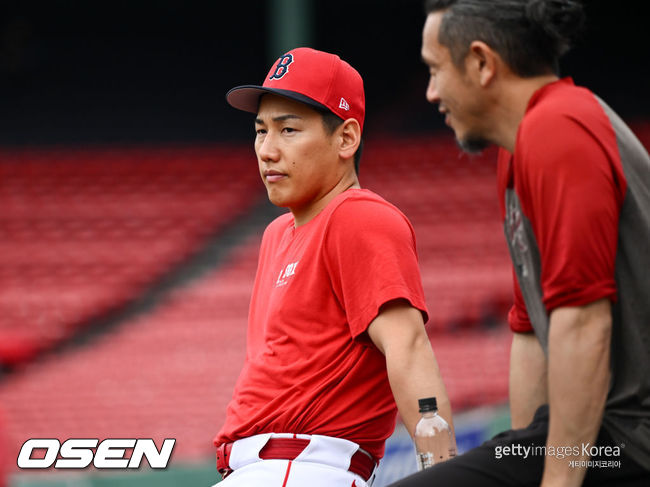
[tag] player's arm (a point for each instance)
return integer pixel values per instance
(398, 332)
(578, 377)
(577, 235)
(528, 384)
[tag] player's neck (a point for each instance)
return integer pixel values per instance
(308, 212)
(516, 95)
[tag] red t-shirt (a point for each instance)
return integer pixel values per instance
(567, 173)
(310, 367)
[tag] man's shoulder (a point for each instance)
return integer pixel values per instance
(364, 199)
(359, 209)
(561, 106)
(363, 202)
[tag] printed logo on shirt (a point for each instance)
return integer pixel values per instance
(516, 234)
(286, 274)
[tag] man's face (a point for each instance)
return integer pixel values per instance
(454, 90)
(298, 160)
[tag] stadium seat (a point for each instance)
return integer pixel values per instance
(84, 231)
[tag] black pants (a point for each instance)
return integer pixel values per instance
(500, 462)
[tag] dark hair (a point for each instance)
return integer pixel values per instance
(529, 35)
(331, 122)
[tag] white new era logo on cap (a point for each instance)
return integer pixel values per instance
(344, 104)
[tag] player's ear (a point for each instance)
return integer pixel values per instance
(482, 61)
(349, 138)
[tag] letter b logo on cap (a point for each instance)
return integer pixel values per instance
(282, 67)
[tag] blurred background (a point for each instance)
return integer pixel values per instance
(131, 211)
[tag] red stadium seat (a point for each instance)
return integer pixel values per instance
(86, 230)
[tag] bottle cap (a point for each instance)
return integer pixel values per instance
(428, 404)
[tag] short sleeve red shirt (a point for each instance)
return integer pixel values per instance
(567, 173)
(310, 367)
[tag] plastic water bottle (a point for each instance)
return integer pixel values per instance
(434, 441)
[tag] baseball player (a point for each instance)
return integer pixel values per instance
(574, 184)
(336, 336)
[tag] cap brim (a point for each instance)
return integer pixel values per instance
(247, 97)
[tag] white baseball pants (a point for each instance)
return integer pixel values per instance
(323, 463)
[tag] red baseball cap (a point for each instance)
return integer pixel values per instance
(317, 78)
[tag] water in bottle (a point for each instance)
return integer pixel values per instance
(434, 440)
